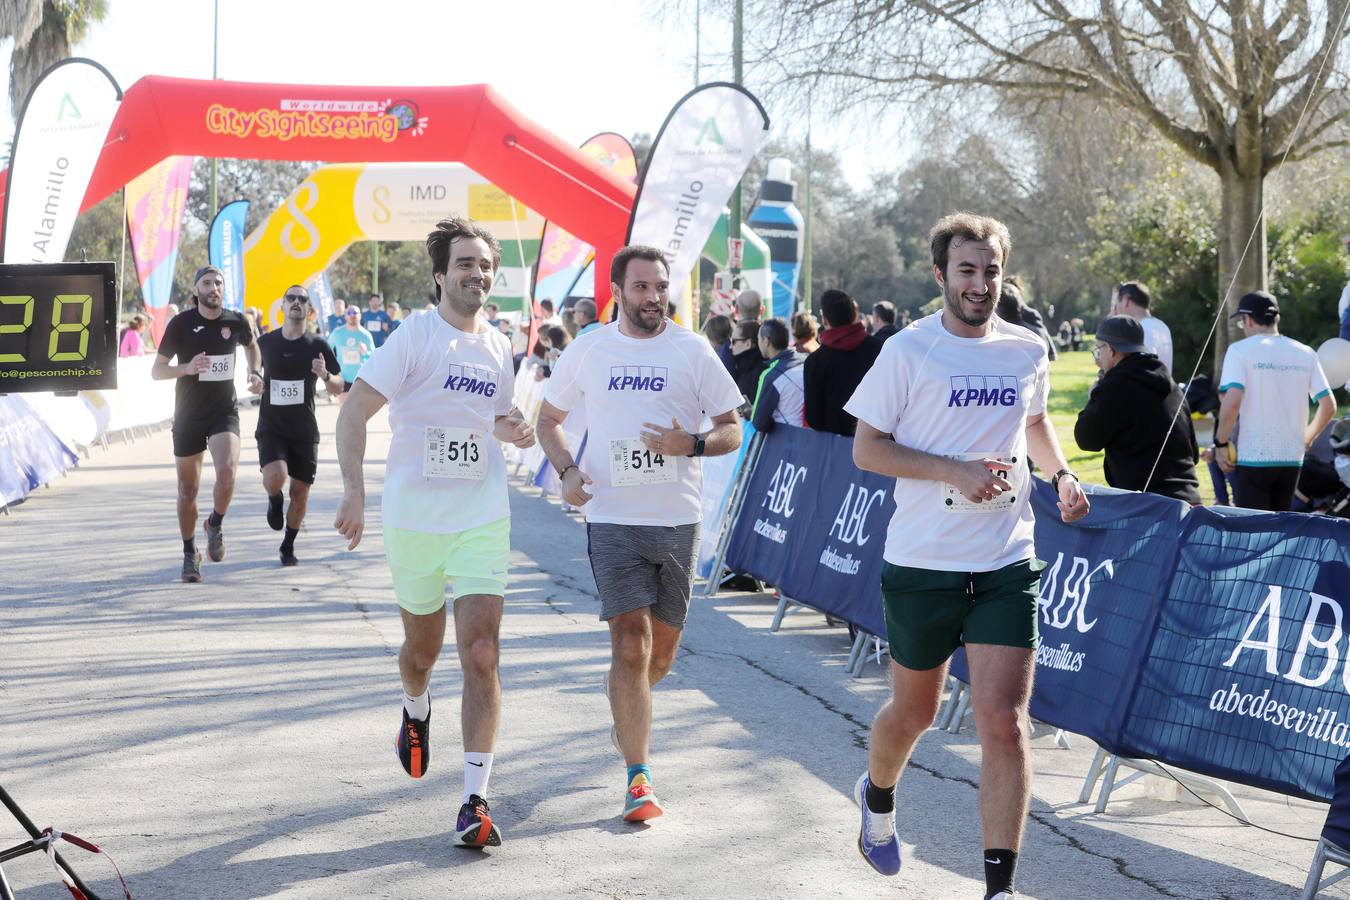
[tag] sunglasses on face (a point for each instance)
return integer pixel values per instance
(293, 297)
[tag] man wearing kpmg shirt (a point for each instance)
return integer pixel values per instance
(205, 417)
(646, 386)
(448, 380)
(951, 409)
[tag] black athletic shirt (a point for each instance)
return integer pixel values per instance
(190, 333)
(291, 361)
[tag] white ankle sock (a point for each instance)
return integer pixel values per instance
(418, 707)
(477, 771)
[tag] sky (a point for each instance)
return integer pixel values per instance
(576, 68)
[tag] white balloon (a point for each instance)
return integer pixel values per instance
(1334, 355)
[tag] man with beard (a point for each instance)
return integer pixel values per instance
(294, 359)
(448, 379)
(204, 339)
(952, 409)
(646, 386)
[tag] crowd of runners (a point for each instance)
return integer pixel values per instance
(656, 398)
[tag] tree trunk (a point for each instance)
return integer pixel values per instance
(1241, 231)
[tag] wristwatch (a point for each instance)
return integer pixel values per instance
(700, 445)
(1054, 480)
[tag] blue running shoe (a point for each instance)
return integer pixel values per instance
(876, 837)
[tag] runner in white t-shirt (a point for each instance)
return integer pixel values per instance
(1134, 300)
(952, 409)
(448, 380)
(646, 385)
(1266, 382)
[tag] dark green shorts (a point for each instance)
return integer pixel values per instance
(929, 614)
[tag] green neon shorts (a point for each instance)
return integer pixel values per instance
(929, 614)
(473, 561)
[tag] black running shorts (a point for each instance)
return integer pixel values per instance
(301, 457)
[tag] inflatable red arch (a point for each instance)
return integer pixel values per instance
(471, 124)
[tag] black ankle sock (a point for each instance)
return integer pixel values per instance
(189, 546)
(288, 543)
(215, 518)
(880, 800)
(999, 868)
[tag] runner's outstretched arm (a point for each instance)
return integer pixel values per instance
(362, 402)
(1043, 447)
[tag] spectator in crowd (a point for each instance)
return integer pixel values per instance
(883, 320)
(569, 322)
(805, 330)
(1075, 334)
(904, 319)
(1266, 377)
(492, 312)
(832, 373)
(1065, 335)
(1134, 412)
(255, 321)
(1134, 300)
(395, 317)
(133, 337)
(671, 310)
(748, 304)
(585, 315)
(1012, 308)
(718, 332)
(335, 318)
(555, 339)
(352, 345)
(376, 320)
(781, 397)
(550, 317)
(747, 363)
(407, 311)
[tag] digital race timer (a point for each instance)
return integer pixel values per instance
(58, 327)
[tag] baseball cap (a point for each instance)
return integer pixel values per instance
(1123, 333)
(351, 311)
(1260, 305)
(206, 270)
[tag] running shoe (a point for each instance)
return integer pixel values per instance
(876, 837)
(640, 803)
(215, 541)
(288, 557)
(1003, 895)
(275, 518)
(474, 826)
(414, 744)
(192, 566)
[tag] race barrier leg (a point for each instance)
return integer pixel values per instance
(738, 492)
(1326, 852)
(32, 847)
(1142, 767)
(785, 605)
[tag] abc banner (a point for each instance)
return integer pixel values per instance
(226, 248)
(814, 528)
(155, 202)
(1247, 675)
(698, 158)
(1098, 601)
(58, 141)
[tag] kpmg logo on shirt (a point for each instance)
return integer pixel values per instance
(637, 378)
(983, 390)
(471, 380)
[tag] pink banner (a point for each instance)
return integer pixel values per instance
(155, 201)
(562, 256)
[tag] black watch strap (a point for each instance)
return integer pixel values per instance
(700, 445)
(1054, 481)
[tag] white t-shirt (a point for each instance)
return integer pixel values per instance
(622, 382)
(958, 397)
(1158, 339)
(445, 388)
(1275, 373)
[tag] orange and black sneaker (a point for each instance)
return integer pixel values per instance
(474, 826)
(414, 744)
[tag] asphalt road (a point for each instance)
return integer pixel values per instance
(234, 738)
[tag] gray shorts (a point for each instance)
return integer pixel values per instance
(643, 565)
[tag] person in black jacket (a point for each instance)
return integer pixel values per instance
(833, 372)
(1013, 308)
(747, 363)
(1133, 411)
